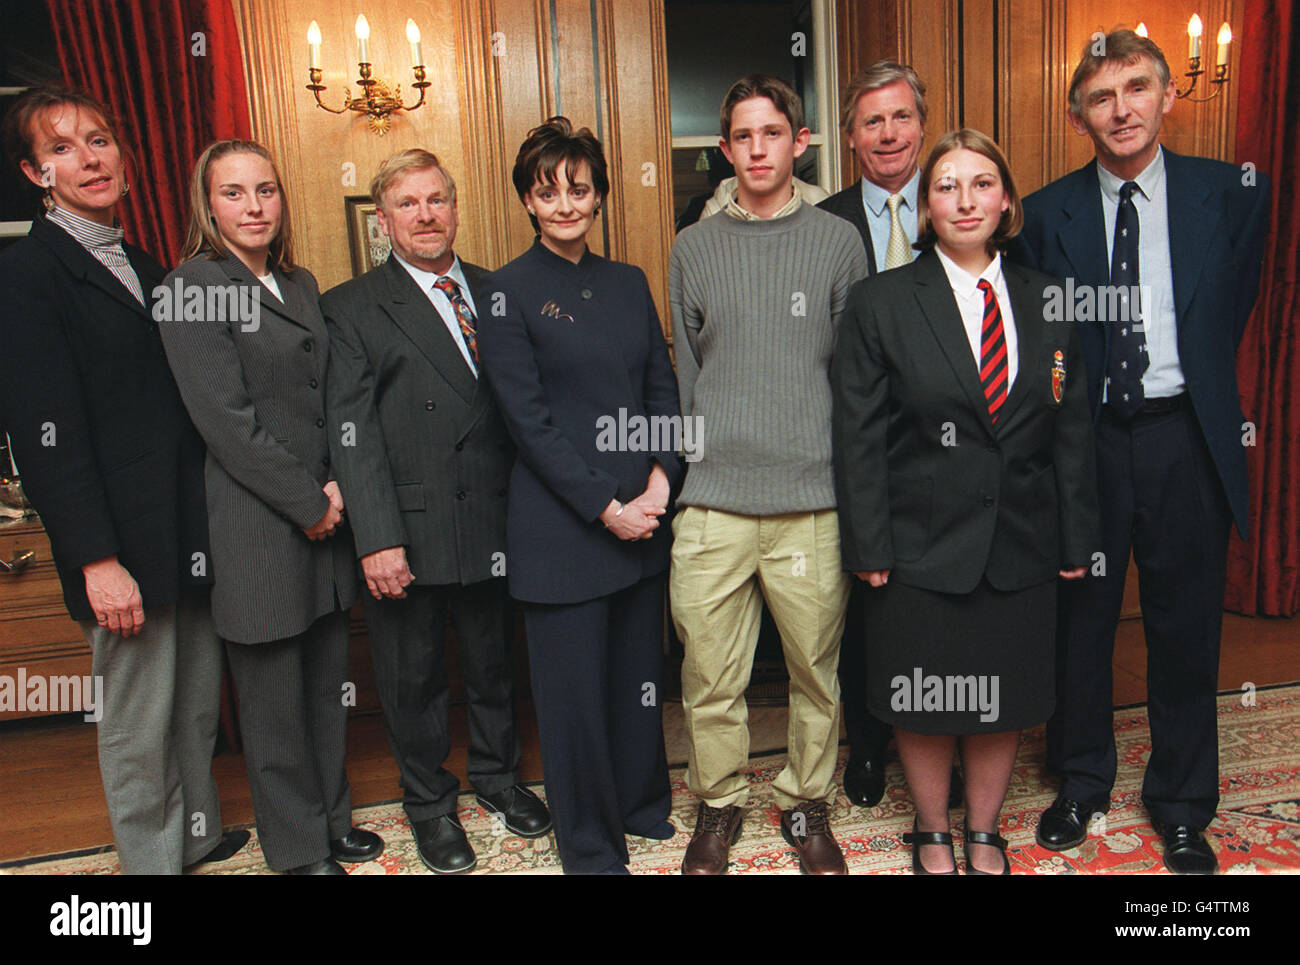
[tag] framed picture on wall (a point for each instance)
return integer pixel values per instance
(368, 243)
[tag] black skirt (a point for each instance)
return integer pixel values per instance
(974, 663)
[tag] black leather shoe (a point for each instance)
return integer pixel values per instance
(226, 848)
(326, 866)
(443, 847)
(519, 809)
(1064, 825)
(864, 782)
(1186, 850)
(357, 845)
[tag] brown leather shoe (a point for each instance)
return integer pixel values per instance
(716, 830)
(807, 829)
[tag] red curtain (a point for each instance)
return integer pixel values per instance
(172, 71)
(1264, 573)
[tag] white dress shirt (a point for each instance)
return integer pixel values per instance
(875, 202)
(1164, 375)
(970, 302)
(425, 280)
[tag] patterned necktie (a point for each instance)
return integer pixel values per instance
(464, 315)
(1128, 358)
(899, 251)
(993, 353)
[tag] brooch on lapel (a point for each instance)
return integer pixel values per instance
(1058, 376)
(553, 310)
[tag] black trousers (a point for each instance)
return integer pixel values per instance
(597, 671)
(294, 724)
(868, 737)
(410, 661)
(1160, 497)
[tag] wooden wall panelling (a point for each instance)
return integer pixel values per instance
(978, 81)
(639, 133)
(1035, 69)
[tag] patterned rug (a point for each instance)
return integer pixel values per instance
(1257, 829)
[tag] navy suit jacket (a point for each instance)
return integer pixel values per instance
(1216, 237)
(847, 204)
(566, 348)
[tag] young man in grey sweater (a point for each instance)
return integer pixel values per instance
(756, 293)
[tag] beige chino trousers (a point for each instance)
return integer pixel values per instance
(721, 562)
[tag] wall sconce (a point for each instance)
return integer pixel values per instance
(376, 101)
(1194, 71)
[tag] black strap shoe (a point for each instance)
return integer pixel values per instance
(357, 845)
(443, 847)
(918, 839)
(1186, 850)
(993, 840)
(864, 782)
(1064, 825)
(519, 809)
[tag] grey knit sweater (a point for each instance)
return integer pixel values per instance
(755, 305)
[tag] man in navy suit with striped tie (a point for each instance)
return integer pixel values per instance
(1170, 247)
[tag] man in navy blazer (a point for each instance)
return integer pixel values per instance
(1161, 255)
(883, 117)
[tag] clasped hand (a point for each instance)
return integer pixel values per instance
(639, 518)
(324, 527)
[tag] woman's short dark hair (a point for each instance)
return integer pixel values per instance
(1012, 220)
(551, 144)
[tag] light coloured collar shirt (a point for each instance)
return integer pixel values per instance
(875, 202)
(425, 280)
(1164, 376)
(734, 209)
(970, 302)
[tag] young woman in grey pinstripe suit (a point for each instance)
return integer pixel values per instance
(249, 348)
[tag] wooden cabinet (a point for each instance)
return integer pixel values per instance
(36, 632)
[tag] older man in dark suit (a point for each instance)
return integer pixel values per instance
(423, 460)
(1182, 238)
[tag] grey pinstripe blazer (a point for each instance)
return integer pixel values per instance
(255, 389)
(430, 462)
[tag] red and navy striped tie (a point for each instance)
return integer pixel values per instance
(993, 353)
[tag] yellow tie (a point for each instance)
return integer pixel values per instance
(899, 251)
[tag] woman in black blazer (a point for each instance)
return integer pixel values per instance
(111, 462)
(577, 362)
(966, 487)
(246, 340)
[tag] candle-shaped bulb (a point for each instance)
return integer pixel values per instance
(1194, 29)
(363, 35)
(1142, 30)
(413, 38)
(313, 45)
(1224, 38)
